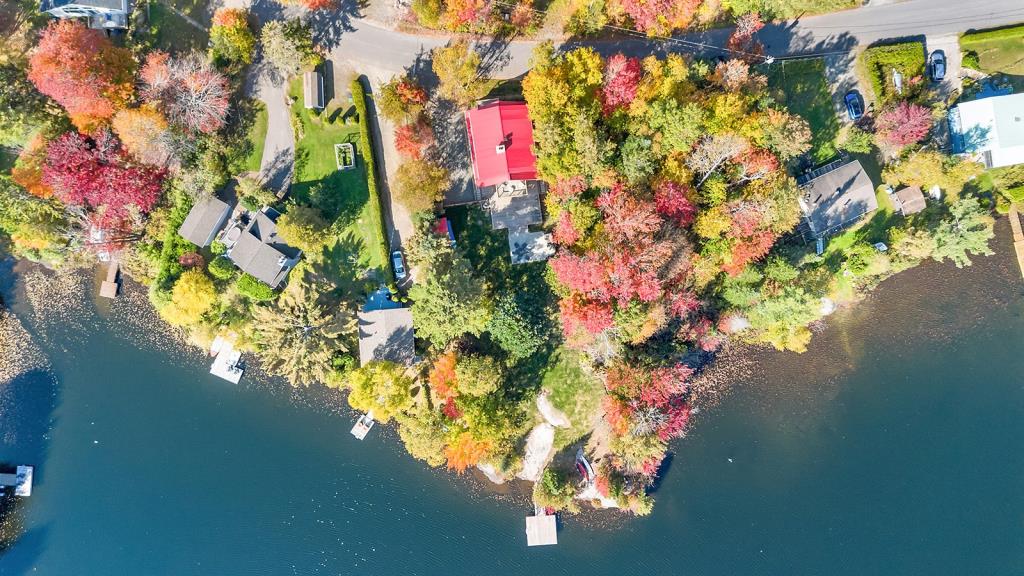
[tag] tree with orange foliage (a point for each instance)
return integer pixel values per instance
(442, 376)
(83, 71)
(314, 4)
(143, 132)
(412, 139)
(28, 169)
(465, 451)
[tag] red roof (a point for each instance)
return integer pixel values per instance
(495, 124)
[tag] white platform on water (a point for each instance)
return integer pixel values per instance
(541, 530)
(227, 365)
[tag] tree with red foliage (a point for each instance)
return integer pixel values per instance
(191, 260)
(657, 16)
(757, 163)
(621, 79)
(83, 71)
(460, 14)
(568, 188)
(314, 4)
(584, 274)
(747, 250)
(904, 124)
(94, 173)
(577, 313)
(742, 38)
(672, 200)
(644, 402)
(565, 231)
(412, 139)
(627, 218)
(189, 91)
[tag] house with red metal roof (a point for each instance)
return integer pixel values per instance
(500, 138)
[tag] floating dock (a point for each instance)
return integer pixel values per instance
(541, 529)
(228, 363)
(21, 481)
(111, 286)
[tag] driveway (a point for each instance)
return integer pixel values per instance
(950, 46)
(841, 77)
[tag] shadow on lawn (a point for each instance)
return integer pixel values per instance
(340, 264)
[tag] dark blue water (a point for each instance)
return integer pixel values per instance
(892, 447)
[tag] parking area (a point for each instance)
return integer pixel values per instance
(841, 77)
(950, 46)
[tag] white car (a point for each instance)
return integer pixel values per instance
(399, 264)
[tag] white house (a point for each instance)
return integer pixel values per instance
(100, 14)
(990, 130)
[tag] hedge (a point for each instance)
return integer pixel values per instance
(359, 92)
(997, 34)
(250, 287)
(879, 61)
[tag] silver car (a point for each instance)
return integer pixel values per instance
(399, 264)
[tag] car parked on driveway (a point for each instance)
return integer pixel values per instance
(399, 264)
(854, 105)
(937, 65)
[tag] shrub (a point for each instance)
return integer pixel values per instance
(221, 268)
(254, 290)
(971, 60)
(218, 248)
(555, 491)
(428, 12)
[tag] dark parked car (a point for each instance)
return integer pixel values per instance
(854, 105)
(396, 260)
(937, 65)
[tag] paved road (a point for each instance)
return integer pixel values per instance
(838, 32)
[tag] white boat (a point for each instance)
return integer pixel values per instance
(363, 426)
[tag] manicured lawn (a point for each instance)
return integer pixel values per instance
(353, 258)
(873, 229)
(1000, 50)
(573, 392)
(173, 33)
(800, 85)
(256, 137)
(878, 63)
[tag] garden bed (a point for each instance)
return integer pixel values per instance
(345, 156)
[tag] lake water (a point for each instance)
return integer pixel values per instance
(892, 447)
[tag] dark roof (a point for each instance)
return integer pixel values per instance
(836, 195)
(260, 252)
(386, 335)
(206, 217)
(910, 200)
(45, 5)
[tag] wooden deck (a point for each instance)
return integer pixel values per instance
(1018, 237)
(110, 286)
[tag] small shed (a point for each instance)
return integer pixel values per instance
(541, 530)
(909, 200)
(313, 89)
(205, 220)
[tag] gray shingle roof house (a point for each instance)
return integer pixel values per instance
(386, 335)
(835, 195)
(256, 249)
(101, 14)
(204, 221)
(909, 200)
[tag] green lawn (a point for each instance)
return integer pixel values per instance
(800, 85)
(573, 392)
(352, 260)
(871, 230)
(173, 33)
(1000, 50)
(256, 136)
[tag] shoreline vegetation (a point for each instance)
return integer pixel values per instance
(671, 202)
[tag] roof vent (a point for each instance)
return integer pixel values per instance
(499, 149)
